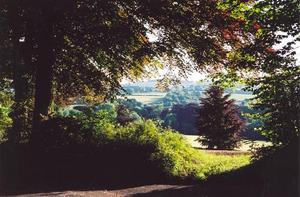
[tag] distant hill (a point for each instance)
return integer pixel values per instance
(152, 83)
(150, 86)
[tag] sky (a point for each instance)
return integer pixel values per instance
(196, 76)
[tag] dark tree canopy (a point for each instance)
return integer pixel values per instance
(78, 47)
(59, 49)
(75, 47)
(219, 121)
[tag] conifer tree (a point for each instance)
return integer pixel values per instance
(219, 121)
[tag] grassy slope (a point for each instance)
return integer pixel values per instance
(213, 164)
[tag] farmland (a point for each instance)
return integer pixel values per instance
(149, 98)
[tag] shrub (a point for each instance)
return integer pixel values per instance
(91, 149)
(5, 121)
(5, 109)
(166, 150)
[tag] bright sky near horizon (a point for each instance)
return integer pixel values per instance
(196, 76)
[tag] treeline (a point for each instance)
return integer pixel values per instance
(179, 108)
(172, 111)
(136, 88)
(183, 116)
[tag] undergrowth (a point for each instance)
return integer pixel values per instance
(93, 149)
(170, 151)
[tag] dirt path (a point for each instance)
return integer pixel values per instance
(148, 190)
(214, 190)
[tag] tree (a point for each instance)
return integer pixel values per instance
(185, 118)
(278, 100)
(72, 46)
(219, 120)
(14, 74)
(125, 116)
(270, 71)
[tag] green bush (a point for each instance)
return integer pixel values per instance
(5, 121)
(5, 109)
(170, 152)
(92, 149)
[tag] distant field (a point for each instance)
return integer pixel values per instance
(241, 97)
(151, 97)
(147, 97)
(245, 144)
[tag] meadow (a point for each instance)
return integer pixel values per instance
(149, 98)
(245, 145)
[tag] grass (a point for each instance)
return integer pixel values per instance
(213, 164)
(246, 145)
(180, 159)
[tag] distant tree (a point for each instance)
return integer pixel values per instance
(186, 117)
(219, 121)
(124, 115)
(164, 113)
(151, 112)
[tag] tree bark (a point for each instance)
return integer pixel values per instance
(20, 114)
(44, 76)
(21, 59)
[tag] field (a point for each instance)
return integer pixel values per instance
(148, 97)
(241, 97)
(245, 146)
(151, 97)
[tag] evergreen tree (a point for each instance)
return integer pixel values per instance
(219, 121)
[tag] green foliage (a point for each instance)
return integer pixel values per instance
(83, 47)
(279, 104)
(269, 70)
(183, 118)
(124, 115)
(170, 152)
(5, 121)
(5, 110)
(181, 114)
(254, 121)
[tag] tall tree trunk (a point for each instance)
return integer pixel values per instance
(44, 76)
(21, 60)
(20, 114)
